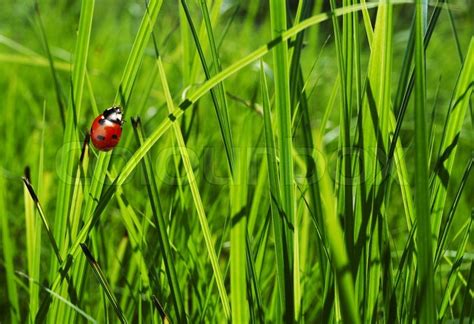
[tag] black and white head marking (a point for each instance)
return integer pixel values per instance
(113, 115)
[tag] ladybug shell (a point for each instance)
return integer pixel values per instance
(105, 134)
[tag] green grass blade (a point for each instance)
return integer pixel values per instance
(36, 261)
(33, 244)
(340, 260)
(8, 257)
(450, 217)
(297, 92)
(218, 97)
(257, 310)
(81, 187)
(425, 291)
(195, 193)
(160, 309)
(344, 188)
(374, 137)
(449, 140)
(138, 49)
(104, 283)
(163, 236)
(238, 232)
(57, 86)
(36, 202)
(283, 109)
(59, 297)
(68, 156)
(221, 92)
(280, 226)
(30, 231)
(71, 290)
(468, 299)
(455, 271)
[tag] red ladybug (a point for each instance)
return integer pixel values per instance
(107, 128)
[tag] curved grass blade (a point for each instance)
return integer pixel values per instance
(455, 270)
(160, 309)
(103, 282)
(450, 217)
(163, 236)
(58, 297)
(35, 199)
(449, 140)
(71, 290)
(218, 96)
(138, 49)
(57, 86)
(195, 192)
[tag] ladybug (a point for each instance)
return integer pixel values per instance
(107, 128)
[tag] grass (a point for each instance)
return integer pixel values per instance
(279, 162)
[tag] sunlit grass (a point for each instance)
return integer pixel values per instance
(280, 162)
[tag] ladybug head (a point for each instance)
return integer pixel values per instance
(114, 115)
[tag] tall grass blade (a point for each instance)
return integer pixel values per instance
(468, 299)
(279, 219)
(238, 233)
(163, 236)
(449, 141)
(425, 288)
(8, 257)
(36, 203)
(68, 156)
(71, 289)
(135, 57)
(373, 138)
(57, 86)
(160, 309)
(218, 97)
(103, 282)
(450, 217)
(58, 297)
(455, 270)
(283, 109)
(195, 193)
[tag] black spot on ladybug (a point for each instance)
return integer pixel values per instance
(100, 137)
(114, 136)
(102, 121)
